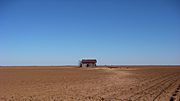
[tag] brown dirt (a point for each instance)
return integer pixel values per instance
(53, 83)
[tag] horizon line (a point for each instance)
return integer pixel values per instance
(97, 65)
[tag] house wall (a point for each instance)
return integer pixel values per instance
(84, 65)
(88, 65)
(92, 65)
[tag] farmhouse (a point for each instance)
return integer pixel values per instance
(88, 63)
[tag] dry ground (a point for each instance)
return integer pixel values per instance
(136, 83)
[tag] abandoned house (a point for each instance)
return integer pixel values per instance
(88, 63)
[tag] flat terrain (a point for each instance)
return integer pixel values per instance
(114, 83)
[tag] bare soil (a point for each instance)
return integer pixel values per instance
(105, 83)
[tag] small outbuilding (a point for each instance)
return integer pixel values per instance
(88, 63)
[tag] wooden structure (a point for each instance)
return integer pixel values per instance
(88, 63)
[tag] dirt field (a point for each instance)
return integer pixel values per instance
(136, 83)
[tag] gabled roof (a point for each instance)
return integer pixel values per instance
(89, 61)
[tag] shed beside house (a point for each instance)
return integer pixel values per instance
(88, 63)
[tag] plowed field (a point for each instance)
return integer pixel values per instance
(99, 84)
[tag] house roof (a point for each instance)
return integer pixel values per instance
(89, 61)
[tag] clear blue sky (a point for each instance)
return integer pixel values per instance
(61, 32)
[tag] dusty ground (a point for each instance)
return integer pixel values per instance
(114, 83)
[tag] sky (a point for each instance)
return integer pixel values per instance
(115, 32)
